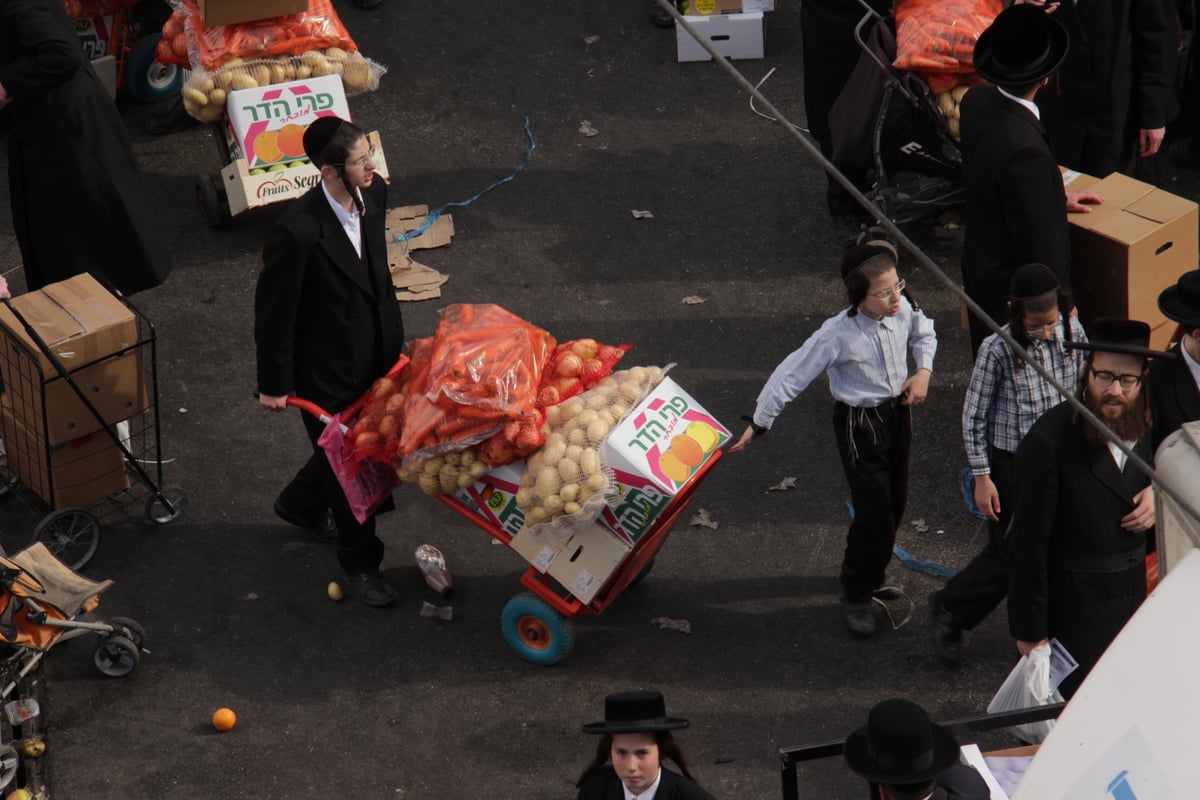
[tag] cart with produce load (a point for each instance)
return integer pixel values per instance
(79, 414)
(259, 83)
(122, 45)
(580, 468)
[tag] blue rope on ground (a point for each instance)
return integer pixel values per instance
(437, 212)
(912, 562)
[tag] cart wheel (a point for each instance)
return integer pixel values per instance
(642, 575)
(116, 656)
(156, 509)
(129, 629)
(71, 534)
(9, 763)
(148, 80)
(211, 195)
(535, 631)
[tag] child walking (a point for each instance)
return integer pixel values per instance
(864, 352)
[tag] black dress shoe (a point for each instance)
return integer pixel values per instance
(946, 636)
(322, 527)
(660, 17)
(859, 617)
(372, 589)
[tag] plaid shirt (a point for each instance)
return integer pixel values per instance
(1002, 403)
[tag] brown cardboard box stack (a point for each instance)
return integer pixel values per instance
(56, 446)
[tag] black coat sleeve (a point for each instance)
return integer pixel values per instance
(1035, 507)
(1155, 35)
(1034, 208)
(49, 51)
(276, 308)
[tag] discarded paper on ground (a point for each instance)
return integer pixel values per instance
(412, 280)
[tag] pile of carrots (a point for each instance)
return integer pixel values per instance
(79, 9)
(937, 37)
(186, 42)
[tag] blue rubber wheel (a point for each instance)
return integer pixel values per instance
(535, 631)
(145, 78)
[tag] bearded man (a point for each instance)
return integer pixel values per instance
(1081, 512)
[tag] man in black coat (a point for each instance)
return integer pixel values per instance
(78, 202)
(326, 325)
(1114, 93)
(1175, 382)
(1081, 511)
(1016, 207)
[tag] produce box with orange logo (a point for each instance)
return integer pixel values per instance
(653, 453)
(267, 124)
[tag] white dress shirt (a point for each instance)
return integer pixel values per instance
(646, 795)
(351, 220)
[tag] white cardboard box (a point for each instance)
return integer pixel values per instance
(268, 122)
(735, 36)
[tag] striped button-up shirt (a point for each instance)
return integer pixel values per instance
(1003, 402)
(866, 360)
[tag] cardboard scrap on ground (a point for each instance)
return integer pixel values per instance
(413, 280)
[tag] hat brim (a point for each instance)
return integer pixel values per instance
(1171, 304)
(990, 71)
(637, 725)
(1119, 349)
(855, 752)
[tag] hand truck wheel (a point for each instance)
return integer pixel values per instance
(147, 79)
(71, 534)
(156, 508)
(535, 631)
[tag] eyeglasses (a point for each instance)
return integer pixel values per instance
(887, 295)
(1036, 331)
(1105, 379)
(361, 162)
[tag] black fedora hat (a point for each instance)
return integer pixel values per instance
(1114, 335)
(1181, 302)
(635, 712)
(1022, 45)
(900, 745)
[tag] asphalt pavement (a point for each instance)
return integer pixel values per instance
(338, 700)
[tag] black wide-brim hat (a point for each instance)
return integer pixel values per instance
(635, 712)
(1181, 302)
(1022, 45)
(1114, 335)
(899, 745)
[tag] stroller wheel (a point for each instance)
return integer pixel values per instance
(71, 534)
(130, 629)
(9, 763)
(116, 656)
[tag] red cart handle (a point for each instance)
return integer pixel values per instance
(310, 407)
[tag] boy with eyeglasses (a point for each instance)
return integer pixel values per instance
(864, 352)
(1081, 511)
(1005, 397)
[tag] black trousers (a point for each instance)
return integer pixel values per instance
(975, 592)
(316, 488)
(873, 444)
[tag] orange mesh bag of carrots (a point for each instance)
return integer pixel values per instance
(940, 35)
(317, 28)
(577, 366)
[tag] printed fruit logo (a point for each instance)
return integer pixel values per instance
(688, 451)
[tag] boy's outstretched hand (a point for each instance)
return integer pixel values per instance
(915, 388)
(741, 443)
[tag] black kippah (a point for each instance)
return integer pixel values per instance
(1033, 280)
(319, 134)
(858, 255)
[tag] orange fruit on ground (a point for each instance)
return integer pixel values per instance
(673, 468)
(703, 433)
(266, 147)
(291, 140)
(687, 450)
(224, 719)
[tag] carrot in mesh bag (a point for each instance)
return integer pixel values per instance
(940, 35)
(576, 366)
(564, 484)
(315, 29)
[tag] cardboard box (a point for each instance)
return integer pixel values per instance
(80, 473)
(654, 453)
(706, 8)
(268, 122)
(230, 12)
(1130, 248)
(735, 36)
(588, 559)
(82, 324)
(495, 496)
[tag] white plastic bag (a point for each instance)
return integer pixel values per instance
(1028, 686)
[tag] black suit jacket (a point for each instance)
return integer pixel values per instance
(326, 322)
(603, 784)
(1174, 397)
(1016, 208)
(1117, 77)
(1074, 573)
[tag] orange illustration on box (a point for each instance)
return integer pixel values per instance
(688, 451)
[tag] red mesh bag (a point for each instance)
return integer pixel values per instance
(940, 35)
(577, 366)
(317, 28)
(378, 418)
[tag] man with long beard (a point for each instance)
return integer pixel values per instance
(1081, 512)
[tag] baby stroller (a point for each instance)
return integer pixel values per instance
(888, 134)
(41, 601)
